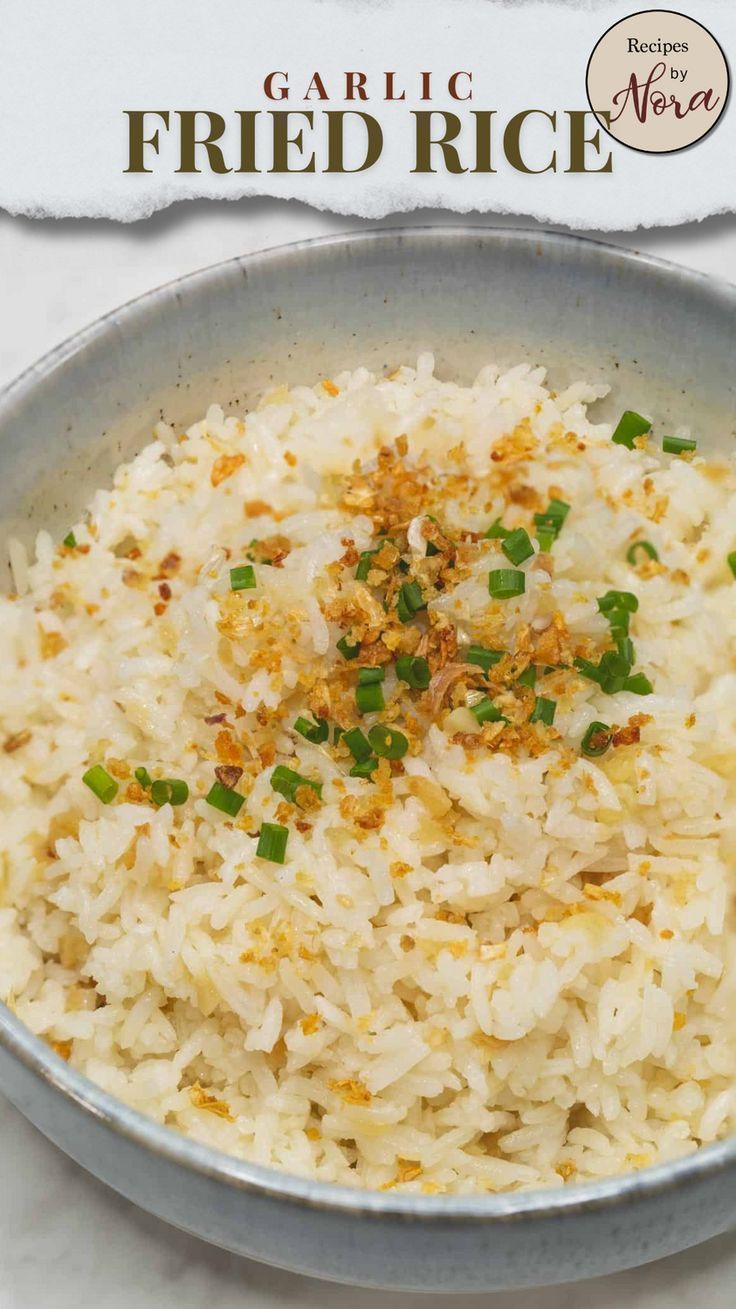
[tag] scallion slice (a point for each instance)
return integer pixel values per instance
(634, 549)
(517, 546)
(546, 538)
(70, 541)
(369, 699)
(143, 776)
(364, 565)
(100, 783)
(625, 647)
(528, 677)
(410, 601)
(242, 578)
(596, 740)
(506, 582)
(272, 842)
(629, 426)
(414, 670)
(387, 742)
(678, 445)
(366, 676)
(357, 744)
(618, 600)
(316, 732)
(225, 799)
(169, 790)
(364, 767)
(347, 649)
(288, 782)
(638, 684)
(497, 531)
(483, 657)
(485, 711)
(543, 711)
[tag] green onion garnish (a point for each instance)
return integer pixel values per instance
(613, 670)
(546, 539)
(169, 790)
(505, 582)
(143, 776)
(497, 531)
(543, 711)
(242, 578)
(287, 783)
(731, 561)
(316, 732)
(336, 734)
(272, 842)
(588, 669)
(629, 426)
(618, 600)
(483, 657)
(366, 676)
(638, 684)
(634, 549)
(70, 540)
(414, 670)
(369, 699)
(596, 740)
(357, 744)
(347, 649)
(625, 647)
(225, 799)
(387, 742)
(364, 565)
(364, 767)
(528, 677)
(553, 516)
(100, 783)
(517, 546)
(678, 445)
(410, 601)
(485, 711)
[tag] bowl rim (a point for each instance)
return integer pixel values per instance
(215, 1165)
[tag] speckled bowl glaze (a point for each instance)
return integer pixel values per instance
(667, 339)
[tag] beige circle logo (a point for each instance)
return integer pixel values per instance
(657, 81)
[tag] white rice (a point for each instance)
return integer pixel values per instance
(525, 974)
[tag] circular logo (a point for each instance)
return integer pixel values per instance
(657, 81)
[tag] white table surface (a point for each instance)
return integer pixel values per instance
(66, 1242)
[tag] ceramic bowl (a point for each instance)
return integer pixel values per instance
(666, 338)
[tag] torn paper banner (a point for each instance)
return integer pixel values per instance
(116, 111)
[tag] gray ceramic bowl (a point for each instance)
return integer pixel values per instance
(667, 339)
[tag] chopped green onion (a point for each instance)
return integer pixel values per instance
(70, 540)
(337, 733)
(629, 426)
(589, 670)
(678, 445)
(242, 578)
(364, 565)
(369, 699)
(364, 767)
(387, 742)
(272, 842)
(357, 744)
(143, 776)
(485, 711)
(366, 676)
(555, 513)
(528, 677)
(316, 732)
(613, 669)
(618, 600)
(483, 657)
(596, 740)
(731, 561)
(639, 684)
(169, 790)
(625, 647)
(543, 711)
(517, 546)
(100, 783)
(347, 650)
(497, 531)
(414, 670)
(633, 550)
(546, 539)
(287, 783)
(410, 601)
(225, 799)
(505, 582)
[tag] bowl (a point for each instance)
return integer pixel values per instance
(666, 337)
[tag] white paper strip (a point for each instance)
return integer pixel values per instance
(70, 72)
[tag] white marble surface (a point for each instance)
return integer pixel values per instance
(66, 1242)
